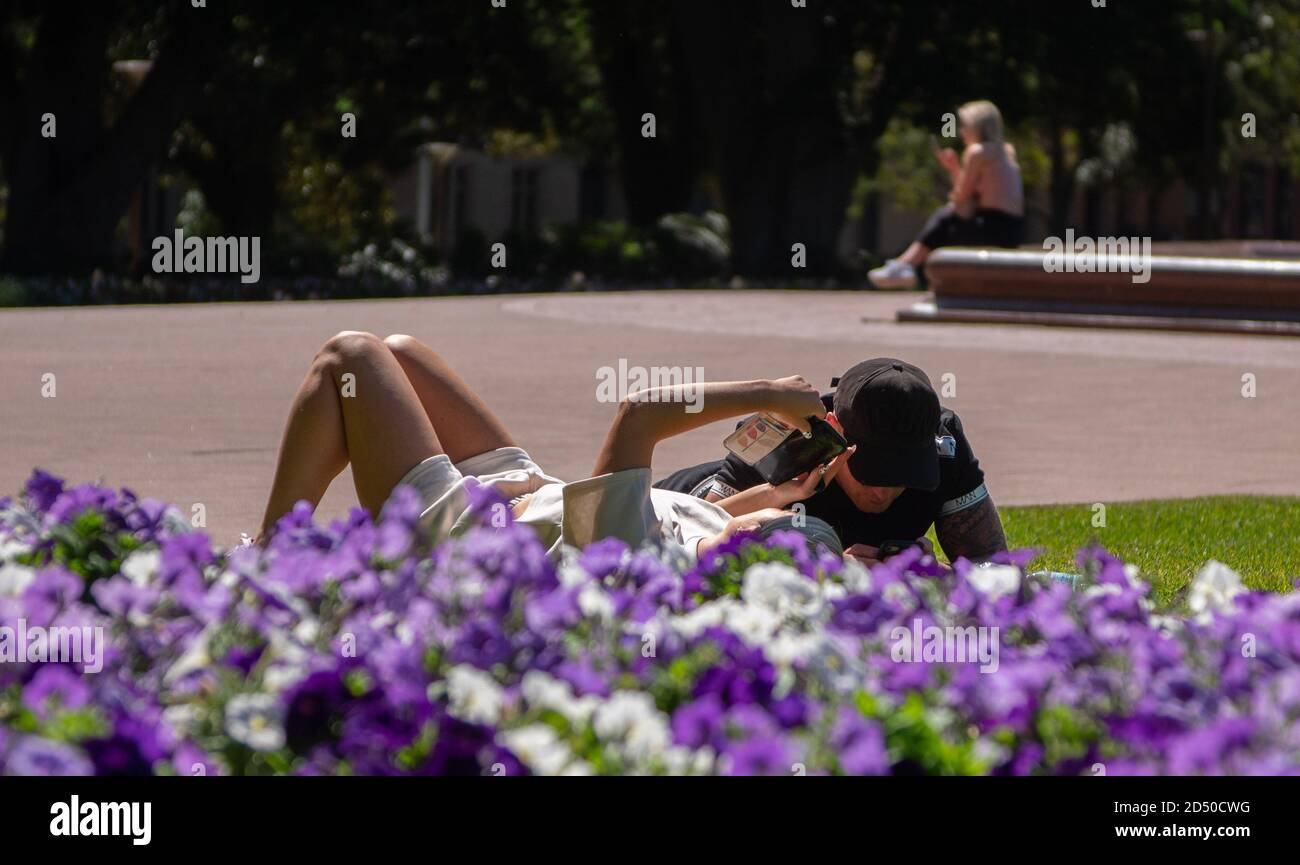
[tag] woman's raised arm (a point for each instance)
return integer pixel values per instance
(648, 417)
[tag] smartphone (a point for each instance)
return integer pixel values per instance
(779, 452)
(892, 548)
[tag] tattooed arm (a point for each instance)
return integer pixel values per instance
(975, 532)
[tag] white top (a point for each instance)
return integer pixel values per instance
(621, 505)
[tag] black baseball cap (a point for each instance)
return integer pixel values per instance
(890, 411)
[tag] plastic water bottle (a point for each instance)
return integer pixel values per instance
(1074, 581)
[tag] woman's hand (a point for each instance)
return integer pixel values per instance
(948, 159)
(805, 485)
(750, 522)
(794, 400)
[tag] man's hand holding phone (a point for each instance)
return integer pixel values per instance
(810, 482)
(868, 555)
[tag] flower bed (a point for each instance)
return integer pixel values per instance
(354, 648)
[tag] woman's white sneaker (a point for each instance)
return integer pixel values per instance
(894, 274)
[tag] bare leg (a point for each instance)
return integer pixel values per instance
(356, 404)
(915, 255)
(464, 424)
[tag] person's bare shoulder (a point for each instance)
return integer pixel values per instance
(975, 153)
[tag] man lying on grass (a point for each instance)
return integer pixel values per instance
(913, 468)
(410, 419)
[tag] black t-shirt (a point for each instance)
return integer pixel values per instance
(961, 485)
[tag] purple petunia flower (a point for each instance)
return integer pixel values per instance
(132, 748)
(860, 744)
(55, 685)
(32, 755)
(861, 614)
(42, 490)
(762, 755)
(52, 591)
(699, 722)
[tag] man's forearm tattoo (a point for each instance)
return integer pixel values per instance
(975, 532)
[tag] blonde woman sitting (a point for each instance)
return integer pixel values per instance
(987, 203)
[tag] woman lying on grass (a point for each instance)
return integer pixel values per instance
(412, 420)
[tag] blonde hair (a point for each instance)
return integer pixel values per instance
(983, 116)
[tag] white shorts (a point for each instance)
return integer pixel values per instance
(441, 484)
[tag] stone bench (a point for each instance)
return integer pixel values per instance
(1182, 293)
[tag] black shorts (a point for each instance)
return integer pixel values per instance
(985, 228)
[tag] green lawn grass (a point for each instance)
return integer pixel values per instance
(1170, 539)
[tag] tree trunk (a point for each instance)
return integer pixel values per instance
(1062, 183)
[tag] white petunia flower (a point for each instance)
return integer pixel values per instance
(680, 760)
(630, 719)
(11, 549)
(595, 603)
(989, 752)
(898, 594)
(856, 577)
(141, 566)
(383, 620)
(705, 758)
(570, 573)
(539, 748)
(306, 631)
(545, 692)
(1167, 625)
(620, 712)
(994, 581)
(183, 718)
(256, 720)
(834, 668)
(1100, 590)
(754, 624)
(473, 695)
(468, 591)
(648, 738)
(781, 589)
(708, 615)
(195, 657)
(14, 579)
(1132, 573)
(786, 649)
(281, 675)
(1213, 590)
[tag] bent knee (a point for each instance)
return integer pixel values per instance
(349, 344)
(400, 343)
(409, 349)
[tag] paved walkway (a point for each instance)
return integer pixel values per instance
(186, 403)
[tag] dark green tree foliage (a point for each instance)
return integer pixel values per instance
(770, 110)
(67, 192)
(227, 83)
